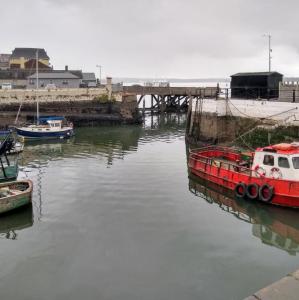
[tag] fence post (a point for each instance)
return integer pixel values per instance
(294, 96)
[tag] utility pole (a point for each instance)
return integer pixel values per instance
(100, 79)
(269, 49)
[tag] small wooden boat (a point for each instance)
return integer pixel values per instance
(269, 174)
(15, 194)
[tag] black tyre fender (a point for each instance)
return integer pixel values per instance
(240, 190)
(252, 191)
(270, 194)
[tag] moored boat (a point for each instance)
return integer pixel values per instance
(269, 174)
(47, 128)
(14, 195)
(51, 127)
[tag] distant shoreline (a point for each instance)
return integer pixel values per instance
(128, 79)
(182, 80)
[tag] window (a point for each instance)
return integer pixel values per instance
(31, 81)
(65, 82)
(283, 162)
(296, 162)
(268, 160)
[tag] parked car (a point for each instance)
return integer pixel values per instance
(50, 86)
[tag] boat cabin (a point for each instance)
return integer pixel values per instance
(278, 161)
(52, 122)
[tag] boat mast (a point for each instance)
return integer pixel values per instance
(37, 104)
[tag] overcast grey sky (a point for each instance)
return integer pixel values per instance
(156, 38)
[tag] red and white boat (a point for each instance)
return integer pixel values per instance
(269, 174)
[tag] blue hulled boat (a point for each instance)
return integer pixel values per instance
(47, 128)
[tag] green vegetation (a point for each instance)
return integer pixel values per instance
(104, 99)
(264, 136)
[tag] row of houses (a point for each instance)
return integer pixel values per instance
(18, 70)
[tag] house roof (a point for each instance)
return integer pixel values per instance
(89, 76)
(256, 74)
(29, 53)
(54, 75)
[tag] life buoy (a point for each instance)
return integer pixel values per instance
(275, 173)
(260, 171)
(252, 191)
(240, 190)
(266, 192)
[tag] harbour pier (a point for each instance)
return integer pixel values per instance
(169, 99)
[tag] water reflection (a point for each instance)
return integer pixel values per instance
(106, 142)
(14, 222)
(274, 226)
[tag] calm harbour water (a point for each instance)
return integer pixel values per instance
(115, 216)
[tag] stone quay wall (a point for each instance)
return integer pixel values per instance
(81, 106)
(54, 94)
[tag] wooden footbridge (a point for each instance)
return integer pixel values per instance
(169, 99)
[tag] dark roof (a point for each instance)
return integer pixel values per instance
(54, 75)
(29, 53)
(256, 74)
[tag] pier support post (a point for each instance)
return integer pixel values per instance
(152, 103)
(143, 108)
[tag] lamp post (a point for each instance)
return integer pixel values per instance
(269, 49)
(100, 67)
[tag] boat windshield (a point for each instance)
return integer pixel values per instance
(296, 162)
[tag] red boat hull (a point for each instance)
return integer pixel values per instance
(286, 193)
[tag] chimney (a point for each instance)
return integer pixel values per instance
(66, 68)
(109, 87)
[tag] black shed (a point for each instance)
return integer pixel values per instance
(255, 85)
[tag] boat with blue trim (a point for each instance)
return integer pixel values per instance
(47, 128)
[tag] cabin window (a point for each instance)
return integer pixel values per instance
(268, 160)
(283, 162)
(296, 162)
